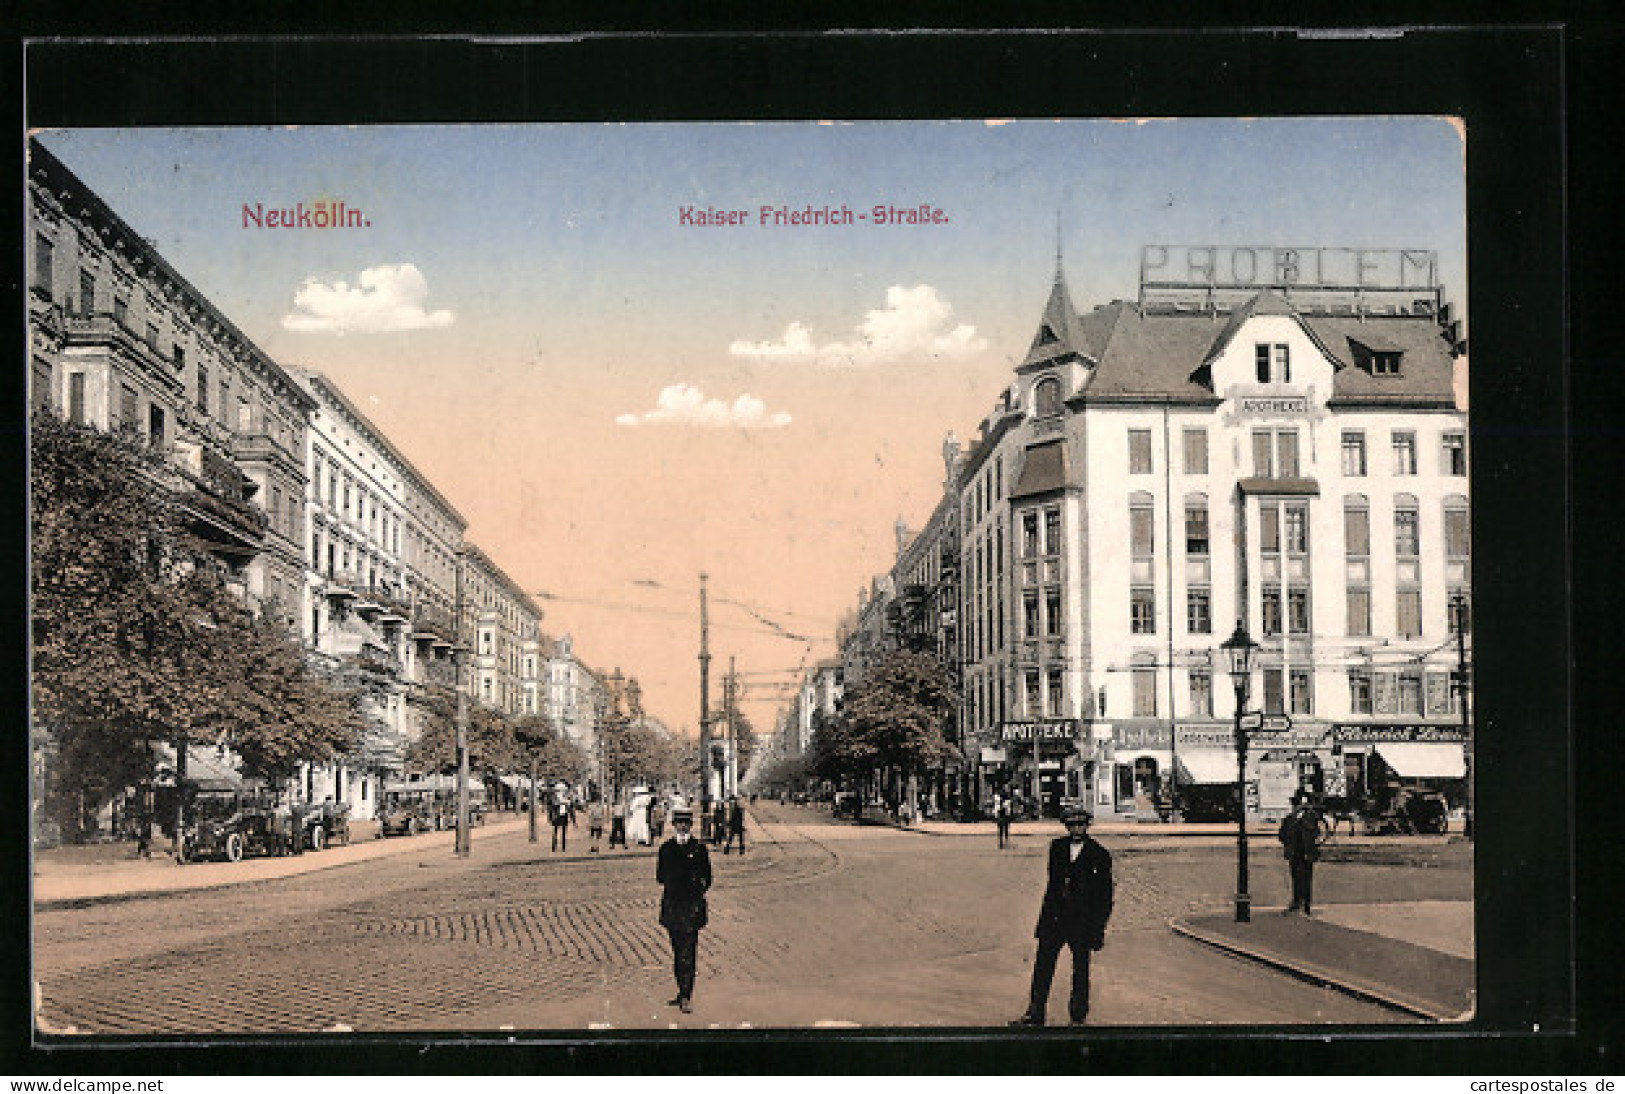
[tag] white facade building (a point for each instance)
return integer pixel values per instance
(1160, 471)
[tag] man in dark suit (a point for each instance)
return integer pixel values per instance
(684, 868)
(1300, 842)
(1077, 904)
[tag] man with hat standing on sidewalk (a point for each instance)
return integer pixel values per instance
(684, 869)
(1077, 904)
(1300, 842)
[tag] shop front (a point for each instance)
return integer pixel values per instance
(1378, 761)
(1044, 765)
(1155, 774)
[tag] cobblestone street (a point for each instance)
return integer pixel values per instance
(820, 924)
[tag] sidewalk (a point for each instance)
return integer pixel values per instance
(57, 882)
(1413, 956)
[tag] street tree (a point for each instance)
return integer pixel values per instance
(894, 719)
(136, 637)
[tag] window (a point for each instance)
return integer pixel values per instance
(1056, 693)
(1454, 454)
(1410, 613)
(156, 427)
(1302, 689)
(1140, 528)
(1410, 693)
(129, 410)
(1142, 611)
(1359, 612)
(44, 264)
(276, 507)
(87, 293)
(1139, 451)
(1456, 531)
(1029, 535)
(1404, 453)
(121, 309)
(1270, 609)
(1052, 531)
(245, 415)
(1269, 529)
(1201, 693)
(1297, 611)
(1359, 691)
(1047, 399)
(1286, 449)
(1273, 363)
(1052, 612)
(1029, 613)
(1407, 541)
(1034, 707)
(1195, 451)
(1274, 700)
(1354, 453)
(202, 389)
(1357, 530)
(1385, 364)
(76, 398)
(1297, 529)
(178, 357)
(1263, 453)
(1196, 534)
(1145, 692)
(1199, 611)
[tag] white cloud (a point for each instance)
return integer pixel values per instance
(914, 323)
(385, 299)
(684, 404)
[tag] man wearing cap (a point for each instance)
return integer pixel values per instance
(1077, 904)
(684, 868)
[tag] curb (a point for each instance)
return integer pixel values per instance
(1318, 974)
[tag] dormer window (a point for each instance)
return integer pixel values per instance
(1047, 397)
(1273, 362)
(1377, 356)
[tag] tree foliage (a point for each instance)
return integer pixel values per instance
(893, 719)
(136, 637)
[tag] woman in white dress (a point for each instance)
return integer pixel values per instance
(637, 816)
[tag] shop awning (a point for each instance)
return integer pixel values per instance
(1414, 760)
(1207, 766)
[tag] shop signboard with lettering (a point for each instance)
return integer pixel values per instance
(1298, 736)
(1387, 733)
(1057, 729)
(1177, 266)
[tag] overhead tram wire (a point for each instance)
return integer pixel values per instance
(771, 630)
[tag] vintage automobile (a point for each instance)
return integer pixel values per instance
(426, 804)
(231, 823)
(324, 822)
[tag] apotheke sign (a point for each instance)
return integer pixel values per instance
(1065, 729)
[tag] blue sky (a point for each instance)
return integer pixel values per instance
(526, 293)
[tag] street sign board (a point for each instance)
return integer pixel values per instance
(1275, 723)
(1252, 720)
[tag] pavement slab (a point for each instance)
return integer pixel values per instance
(1408, 975)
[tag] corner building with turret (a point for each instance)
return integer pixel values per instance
(1283, 456)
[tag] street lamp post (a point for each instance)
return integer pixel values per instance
(1239, 647)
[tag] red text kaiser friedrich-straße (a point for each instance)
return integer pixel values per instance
(808, 216)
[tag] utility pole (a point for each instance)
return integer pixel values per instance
(459, 655)
(733, 732)
(705, 716)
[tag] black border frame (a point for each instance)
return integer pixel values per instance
(1508, 84)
